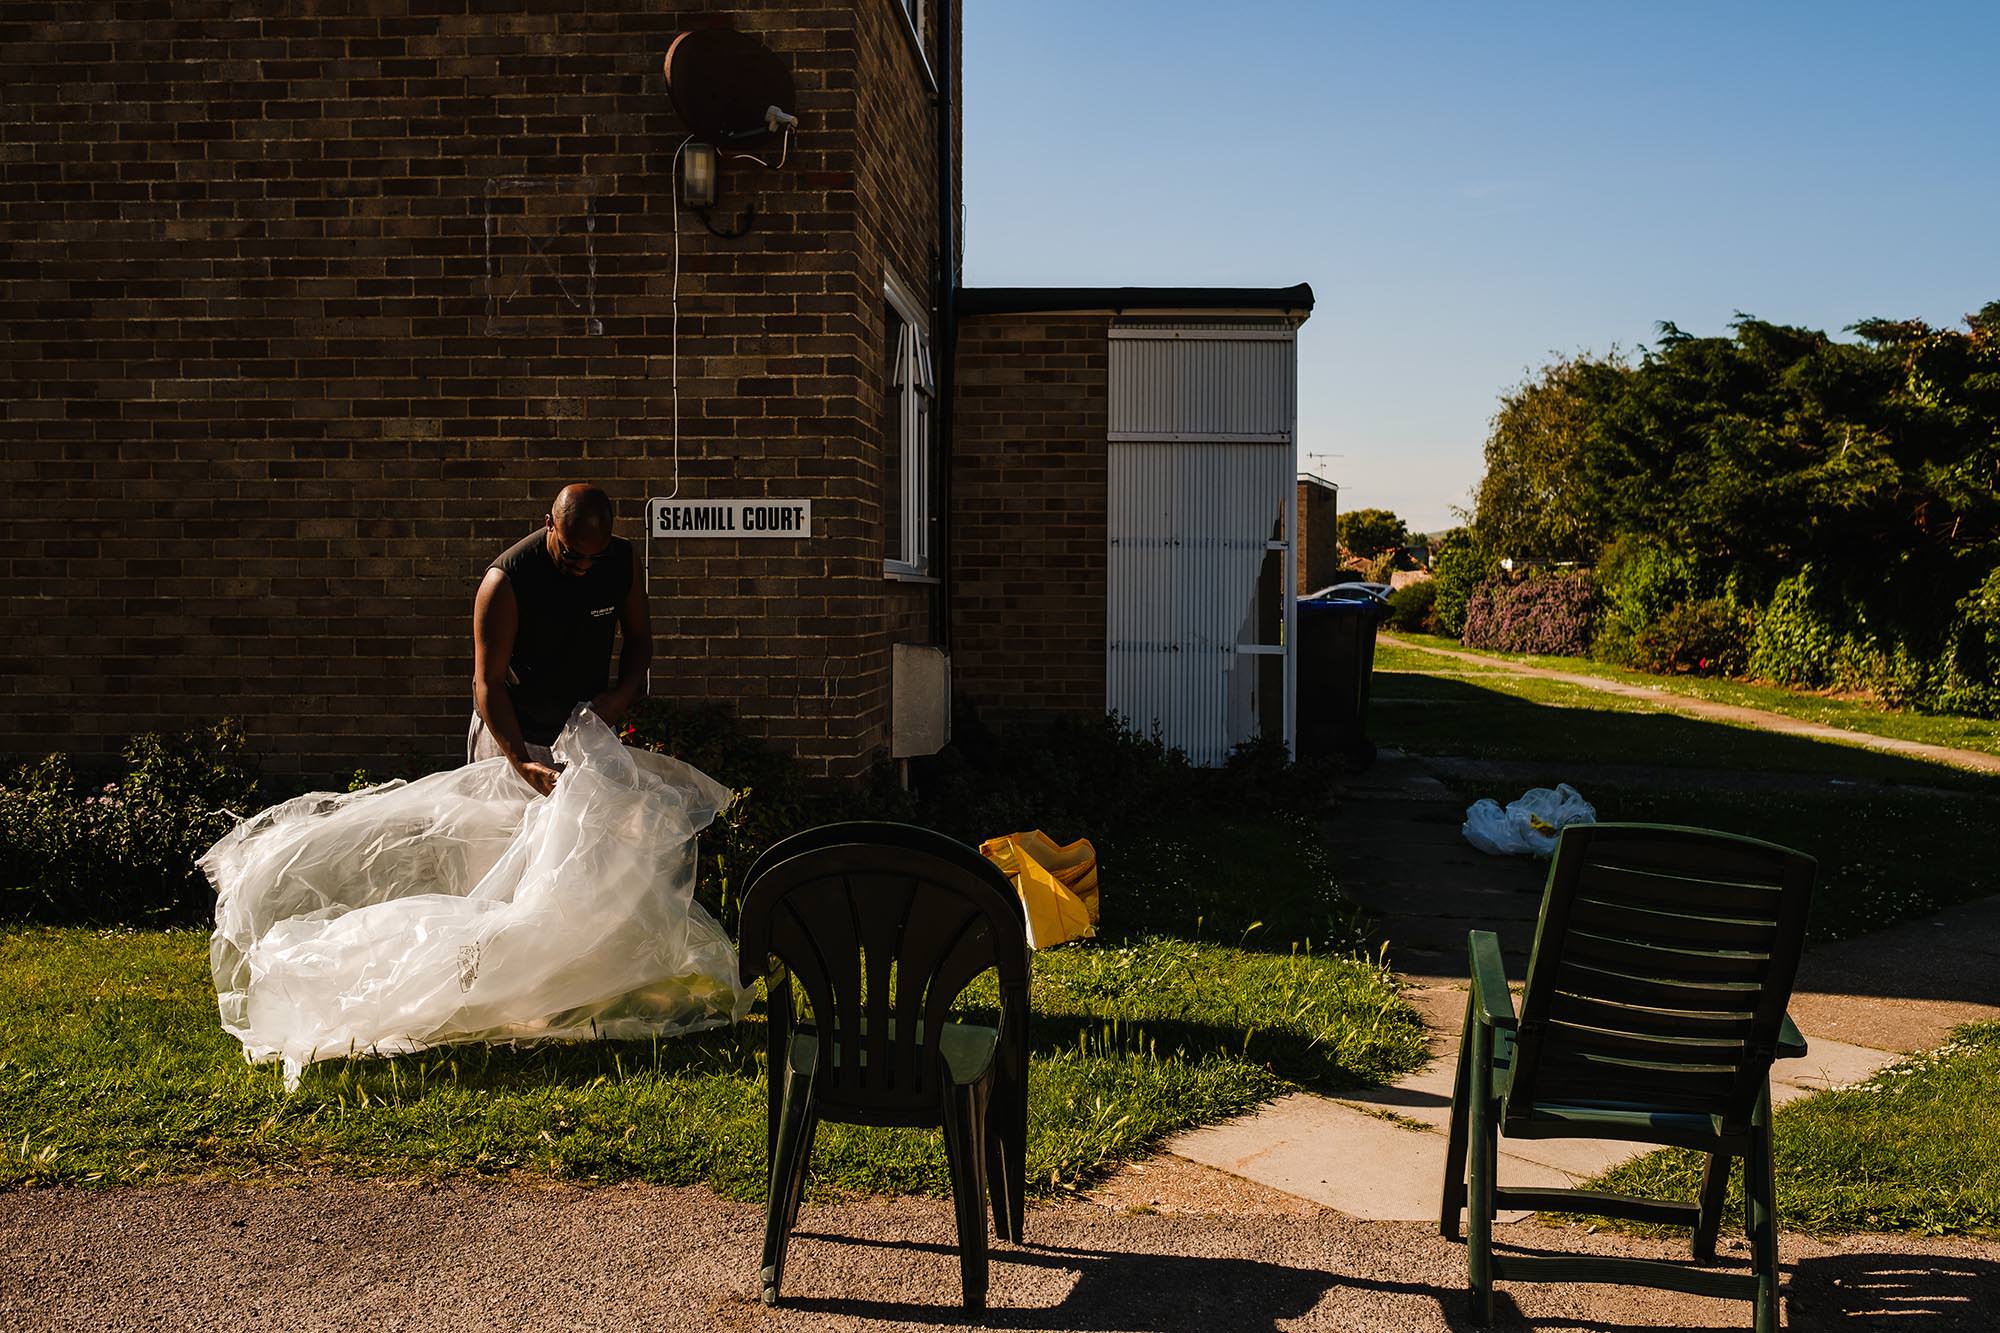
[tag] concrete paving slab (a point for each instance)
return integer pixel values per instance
(1440, 1002)
(1342, 1158)
(1828, 1064)
(1424, 1096)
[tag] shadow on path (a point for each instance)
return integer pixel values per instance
(1910, 1293)
(1143, 1293)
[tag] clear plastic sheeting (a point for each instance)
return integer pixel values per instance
(466, 907)
(1529, 826)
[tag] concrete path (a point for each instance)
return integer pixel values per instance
(1762, 719)
(1379, 1154)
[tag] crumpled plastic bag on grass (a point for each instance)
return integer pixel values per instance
(1057, 884)
(1529, 826)
(466, 907)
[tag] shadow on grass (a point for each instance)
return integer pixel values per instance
(1440, 715)
(532, 1066)
(739, 1053)
(1896, 838)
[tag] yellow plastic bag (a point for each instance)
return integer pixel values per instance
(1057, 884)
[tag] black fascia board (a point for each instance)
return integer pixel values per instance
(1049, 300)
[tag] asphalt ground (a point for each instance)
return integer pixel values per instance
(464, 1256)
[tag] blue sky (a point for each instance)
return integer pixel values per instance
(1471, 189)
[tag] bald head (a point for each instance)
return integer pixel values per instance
(583, 510)
(579, 528)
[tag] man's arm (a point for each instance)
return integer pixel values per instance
(495, 621)
(635, 654)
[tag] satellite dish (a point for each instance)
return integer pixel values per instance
(722, 83)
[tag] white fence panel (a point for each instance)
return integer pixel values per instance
(1190, 527)
(1186, 384)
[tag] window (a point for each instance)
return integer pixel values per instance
(907, 434)
(913, 10)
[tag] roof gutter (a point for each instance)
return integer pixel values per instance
(1292, 301)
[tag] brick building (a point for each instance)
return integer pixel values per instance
(1318, 542)
(308, 315)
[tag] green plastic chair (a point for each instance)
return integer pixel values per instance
(883, 926)
(1654, 1006)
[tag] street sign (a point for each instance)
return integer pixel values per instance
(729, 518)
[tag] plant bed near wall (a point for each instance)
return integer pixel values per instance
(113, 1067)
(1223, 975)
(75, 849)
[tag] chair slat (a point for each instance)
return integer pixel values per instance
(1689, 1051)
(1669, 851)
(1598, 1203)
(1591, 1011)
(1666, 964)
(1675, 928)
(1645, 886)
(936, 925)
(1636, 1272)
(1588, 1080)
(880, 930)
(1609, 984)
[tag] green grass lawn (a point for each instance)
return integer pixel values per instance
(1858, 715)
(1436, 705)
(1916, 1148)
(1205, 997)
(1895, 837)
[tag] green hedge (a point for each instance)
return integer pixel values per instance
(123, 851)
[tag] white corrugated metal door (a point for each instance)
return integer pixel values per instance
(1203, 465)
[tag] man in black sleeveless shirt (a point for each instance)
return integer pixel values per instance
(542, 628)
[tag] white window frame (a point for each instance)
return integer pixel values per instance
(912, 387)
(913, 12)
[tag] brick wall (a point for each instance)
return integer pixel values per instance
(307, 316)
(1029, 557)
(1318, 541)
(896, 181)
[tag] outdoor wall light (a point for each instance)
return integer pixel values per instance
(698, 175)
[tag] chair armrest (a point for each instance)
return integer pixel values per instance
(1791, 1044)
(1492, 1002)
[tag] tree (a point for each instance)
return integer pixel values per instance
(1733, 463)
(1540, 495)
(1459, 564)
(1371, 531)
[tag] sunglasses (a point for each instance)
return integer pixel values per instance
(569, 557)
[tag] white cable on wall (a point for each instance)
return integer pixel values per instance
(673, 372)
(674, 336)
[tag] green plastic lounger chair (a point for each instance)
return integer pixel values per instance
(883, 926)
(1655, 1004)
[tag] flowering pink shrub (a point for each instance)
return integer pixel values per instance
(1553, 613)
